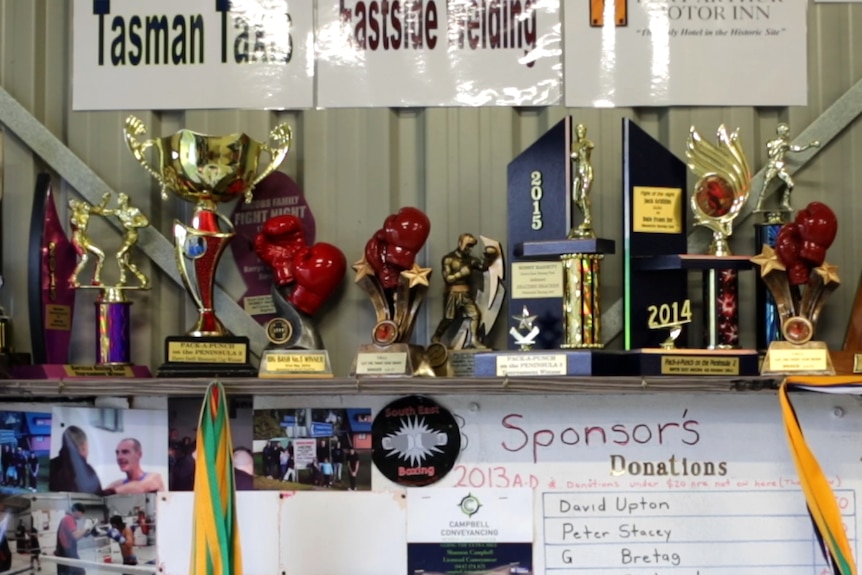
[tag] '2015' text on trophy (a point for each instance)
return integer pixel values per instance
(206, 170)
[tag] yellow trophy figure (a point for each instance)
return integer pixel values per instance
(582, 182)
(777, 148)
(79, 219)
(132, 220)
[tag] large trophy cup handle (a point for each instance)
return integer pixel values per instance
(283, 138)
(134, 127)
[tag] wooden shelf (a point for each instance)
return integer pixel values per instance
(75, 388)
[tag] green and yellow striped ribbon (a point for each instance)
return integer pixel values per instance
(216, 545)
(822, 505)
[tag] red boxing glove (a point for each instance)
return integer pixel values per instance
(279, 240)
(787, 246)
(318, 271)
(405, 233)
(818, 227)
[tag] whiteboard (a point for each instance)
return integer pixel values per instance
(695, 484)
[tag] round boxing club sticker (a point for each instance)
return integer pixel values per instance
(415, 441)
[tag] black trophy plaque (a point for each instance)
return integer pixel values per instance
(539, 208)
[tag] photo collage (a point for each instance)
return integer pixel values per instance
(78, 484)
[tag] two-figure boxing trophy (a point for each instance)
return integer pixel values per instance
(800, 280)
(397, 286)
(113, 309)
(304, 277)
(206, 170)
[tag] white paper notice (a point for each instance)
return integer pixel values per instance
(438, 53)
(669, 53)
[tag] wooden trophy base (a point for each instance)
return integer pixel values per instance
(846, 362)
(691, 362)
(215, 356)
(295, 363)
(785, 358)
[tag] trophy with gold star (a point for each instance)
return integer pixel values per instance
(397, 286)
(800, 280)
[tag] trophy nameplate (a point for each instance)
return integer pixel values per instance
(206, 170)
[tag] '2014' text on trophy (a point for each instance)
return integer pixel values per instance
(800, 280)
(206, 170)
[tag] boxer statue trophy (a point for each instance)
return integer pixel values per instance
(304, 277)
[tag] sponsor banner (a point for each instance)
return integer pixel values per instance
(668, 53)
(164, 54)
(401, 53)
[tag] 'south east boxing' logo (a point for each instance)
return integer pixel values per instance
(415, 441)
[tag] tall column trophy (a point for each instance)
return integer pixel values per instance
(658, 308)
(113, 309)
(472, 300)
(578, 253)
(800, 280)
(205, 170)
(304, 277)
(766, 231)
(397, 286)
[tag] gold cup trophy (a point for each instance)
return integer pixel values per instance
(206, 170)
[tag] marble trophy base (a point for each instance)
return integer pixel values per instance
(393, 360)
(690, 362)
(295, 363)
(214, 356)
(78, 371)
(785, 358)
(545, 362)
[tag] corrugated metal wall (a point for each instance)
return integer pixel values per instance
(357, 166)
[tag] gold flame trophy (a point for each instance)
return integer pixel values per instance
(800, 280)
(206, 170)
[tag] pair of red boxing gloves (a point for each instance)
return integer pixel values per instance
(802, 244)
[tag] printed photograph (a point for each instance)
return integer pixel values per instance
(312, 449)
(73, 533)
(25, 441)
(183, 417)
(108, 451)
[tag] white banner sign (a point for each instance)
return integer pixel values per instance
(438, 53)
(669, 53)
(185, 54)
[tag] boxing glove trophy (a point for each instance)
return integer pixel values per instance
(800, 280)
(304, 277)
(397, 286)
